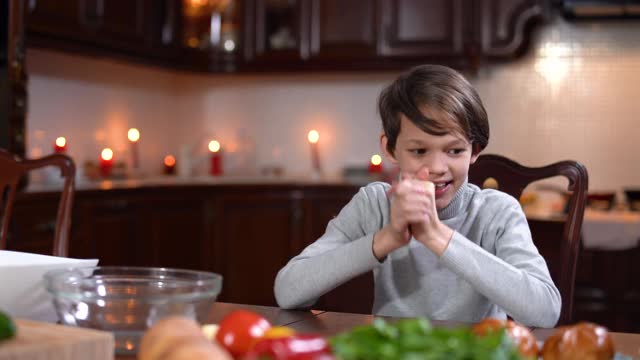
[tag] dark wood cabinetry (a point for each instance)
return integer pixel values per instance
(248, 232)
(504, 24)
(13, 77)
(254, 237)
(268, 35)
(244, 232)
(342, 30)
(136, 29)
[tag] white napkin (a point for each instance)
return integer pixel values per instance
(22, 292)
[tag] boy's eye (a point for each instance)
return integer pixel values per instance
(418, 151)
(456, 151)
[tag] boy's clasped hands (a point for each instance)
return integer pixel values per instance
(413, 212)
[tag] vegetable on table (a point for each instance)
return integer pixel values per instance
(7, 327)
(240, 330)
(519, 334)
(411, 339)
(294, 347)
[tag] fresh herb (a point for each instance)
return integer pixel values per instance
(7, 327)
(416, 339)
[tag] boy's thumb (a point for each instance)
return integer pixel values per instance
(423, 174)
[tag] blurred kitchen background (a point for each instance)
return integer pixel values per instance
(559, 79)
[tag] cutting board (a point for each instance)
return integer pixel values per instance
(40, 341)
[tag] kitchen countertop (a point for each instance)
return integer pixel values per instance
(168, 181)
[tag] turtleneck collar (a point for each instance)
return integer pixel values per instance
(457, 204)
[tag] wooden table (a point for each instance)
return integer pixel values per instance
(331, 323)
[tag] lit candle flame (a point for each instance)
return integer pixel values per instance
(106, 154)
(313, 136)
(169, 160)
(376, 159)
(61, 142)
(214, 146)
(133, 134)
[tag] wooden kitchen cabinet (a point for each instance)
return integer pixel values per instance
(341, 32)
(244, 232)
(295, 35)
(13, 78)
(253, 240)
(248, 232)
(424, 27)
(505, 25)
(275, 33)
(136, 29)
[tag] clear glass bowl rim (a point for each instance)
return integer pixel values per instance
(210, 281)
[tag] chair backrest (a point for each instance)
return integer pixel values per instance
(512, 178)
(12, 169)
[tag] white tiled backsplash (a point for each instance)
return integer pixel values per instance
(574, 96)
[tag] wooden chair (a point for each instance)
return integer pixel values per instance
(12, 169)
(562, 255)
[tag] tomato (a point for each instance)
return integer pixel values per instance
(240, 330)
(520, 335)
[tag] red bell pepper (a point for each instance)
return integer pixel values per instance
(296, 347)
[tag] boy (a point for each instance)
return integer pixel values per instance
(438, 246)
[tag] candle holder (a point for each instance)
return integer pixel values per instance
(169, 165)
(216, 158)
(134, 136)
(106, 162)
(314, 137)
(60, 145)
(375, 165)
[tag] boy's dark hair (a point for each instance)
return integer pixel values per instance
(450, 101)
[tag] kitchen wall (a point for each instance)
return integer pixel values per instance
(573, 96)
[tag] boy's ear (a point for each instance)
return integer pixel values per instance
(385, 152)
(474, 157)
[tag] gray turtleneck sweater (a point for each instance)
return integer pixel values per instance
(491, 268)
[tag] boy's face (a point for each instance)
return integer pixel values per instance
(447, 157)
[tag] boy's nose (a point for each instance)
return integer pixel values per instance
(437, 164)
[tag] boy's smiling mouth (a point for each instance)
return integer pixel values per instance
(442, 187)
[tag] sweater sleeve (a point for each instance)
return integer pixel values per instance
(342, 253)
(516, 278)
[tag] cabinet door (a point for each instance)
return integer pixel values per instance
(276, 31)
(321, 206)
(504, 22)
(177, 231)
(56, 18)
(343, 29)
(421, 28)
(253, 240)
(111, 224)
(120, 23)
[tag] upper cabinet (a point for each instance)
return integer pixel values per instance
(288, 35)
(125, 27)
(503, 24)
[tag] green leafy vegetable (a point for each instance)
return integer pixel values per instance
(7, 327)
(416, 339)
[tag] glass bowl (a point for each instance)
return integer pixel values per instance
(129, 300)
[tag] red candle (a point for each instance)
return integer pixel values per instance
(216, 158)
(314, 136)
(106, 162)
(169, 165)
(134, 135)
(60, 145)
(375, 166)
